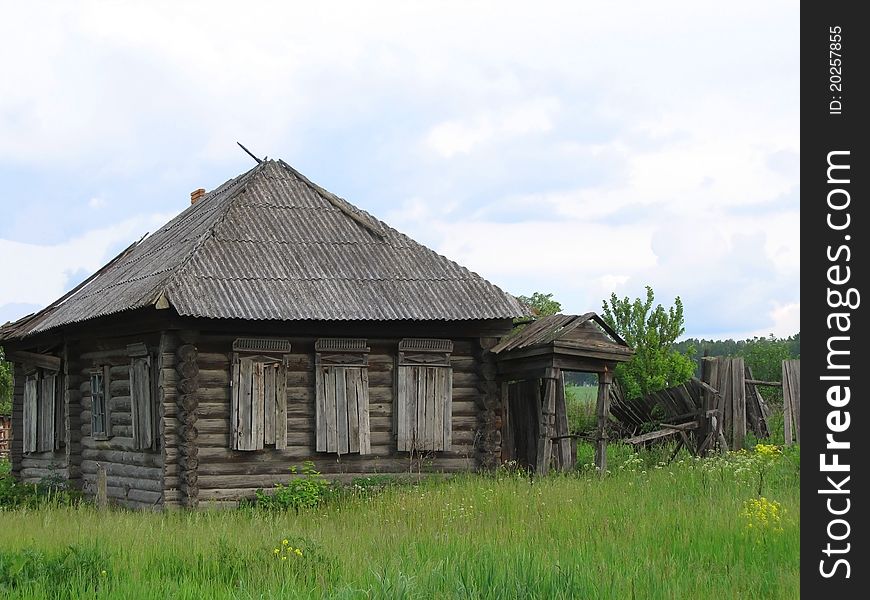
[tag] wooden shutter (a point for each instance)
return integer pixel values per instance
(258, 412)
(425, 395)
(342, 396)
(141, 401)
(46, 411)
(31, 395)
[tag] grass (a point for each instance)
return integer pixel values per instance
(646, 530)
(580, 407)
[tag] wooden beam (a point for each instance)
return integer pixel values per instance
(767, 383)
(46, 361)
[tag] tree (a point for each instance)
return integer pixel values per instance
(651, 332)
(5, 386)
(541, 304)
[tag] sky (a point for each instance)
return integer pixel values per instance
(577, 148)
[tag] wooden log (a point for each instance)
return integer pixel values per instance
(102, 501)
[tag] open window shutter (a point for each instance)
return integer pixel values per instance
(258, 412)
(30, 412)
(141, 403)
(342, 396)
(425, 395)
(45, 411)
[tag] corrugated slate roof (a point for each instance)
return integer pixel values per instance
(270, 244)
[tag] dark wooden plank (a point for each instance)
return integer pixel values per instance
(281, 405)
(362, 393)
(431, 400)
(439, 402)
(446, 385)
(341, 412)
(269, 412)
(402, 409)
(258, 411)
(738, 394)
(329, 409)
(246, 369)
(352, 377)
(234, 403)
(320, 407)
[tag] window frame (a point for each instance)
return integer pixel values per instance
(103, 373)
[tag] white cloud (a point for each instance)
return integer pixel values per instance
(461, 136)
(575, 148)
(43, 273)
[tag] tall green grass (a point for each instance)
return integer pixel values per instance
(646, 530)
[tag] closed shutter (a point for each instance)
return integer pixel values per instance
(41, 411)
(141, 400)
(342, 396)
(46, 411)
(424, 408)
(258, 415)
(31, 396)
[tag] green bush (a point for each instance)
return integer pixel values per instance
(306, 491)
(49, 491)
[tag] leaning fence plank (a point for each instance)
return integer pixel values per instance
(738, 395)
(791, 400)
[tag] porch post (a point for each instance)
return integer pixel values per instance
(602, 409)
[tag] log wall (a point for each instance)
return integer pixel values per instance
(34, 467)
(222, 474)
(134, 477)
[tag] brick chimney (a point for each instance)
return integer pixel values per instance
(196, 195)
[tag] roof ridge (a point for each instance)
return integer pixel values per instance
(217, 218)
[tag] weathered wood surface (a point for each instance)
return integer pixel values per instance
(424, 402)
(602, 412)
(791, 400)
(216, 460)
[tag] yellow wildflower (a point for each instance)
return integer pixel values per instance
(285, 542)
(298, 551)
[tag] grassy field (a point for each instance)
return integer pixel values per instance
(647, 530)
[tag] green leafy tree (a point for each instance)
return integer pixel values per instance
(5, 386)
(651, 332)
(541, 304)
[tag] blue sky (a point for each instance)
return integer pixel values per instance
(580, 148)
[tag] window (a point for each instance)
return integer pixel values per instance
(258, 415)
(43, 411)
(425, 395)
(342, 396)
(141, 403)
(100, 425)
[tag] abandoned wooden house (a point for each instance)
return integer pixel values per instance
(269, 323)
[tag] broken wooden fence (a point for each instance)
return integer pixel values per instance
(791, 400)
